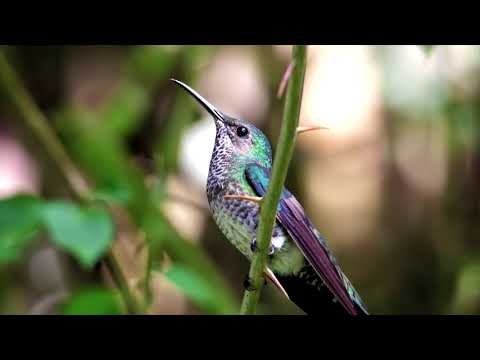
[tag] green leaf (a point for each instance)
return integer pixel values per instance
(19, 221)
(202, 292)
(93, 302)
(85, 232)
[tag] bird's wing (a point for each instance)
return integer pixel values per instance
(291, 216)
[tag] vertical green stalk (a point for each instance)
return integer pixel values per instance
(281, 162)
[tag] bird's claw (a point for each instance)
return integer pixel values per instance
(247, 284)
(253, 247)
(272, 250)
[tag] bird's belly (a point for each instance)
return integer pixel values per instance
(237, 232)
(238, 219)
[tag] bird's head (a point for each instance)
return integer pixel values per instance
(237, 137)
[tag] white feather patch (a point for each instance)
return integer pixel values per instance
(278, 241)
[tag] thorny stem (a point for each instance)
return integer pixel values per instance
(270, 201)
(38, 124)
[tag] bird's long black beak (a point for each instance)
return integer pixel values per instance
(217, 115)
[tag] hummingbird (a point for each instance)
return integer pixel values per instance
(299, 261)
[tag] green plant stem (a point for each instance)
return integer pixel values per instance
(282, 159)
(131, 304)
(38, 124)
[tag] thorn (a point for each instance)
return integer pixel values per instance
(284, 81)
(269, 273)
(304, 129)
(254, 199)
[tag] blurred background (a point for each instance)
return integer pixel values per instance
(393, 186)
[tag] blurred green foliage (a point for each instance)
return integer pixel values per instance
(425, 245)
(20, 218)
(427, 48)
(199, 290)
(97, 141)
(93, 302)
(85, 232)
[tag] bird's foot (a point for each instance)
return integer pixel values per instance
(247, 284)
(253, 247)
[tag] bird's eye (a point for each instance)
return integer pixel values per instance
(242, 131)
